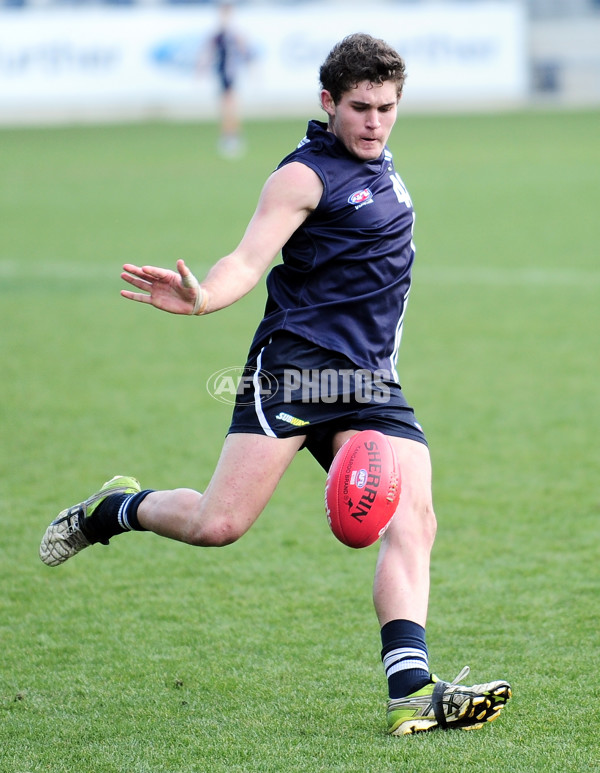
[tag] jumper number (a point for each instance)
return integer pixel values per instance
(400, 190)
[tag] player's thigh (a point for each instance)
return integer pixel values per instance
(415, 468)
(246, 475)
(414, 462)
(415, 514)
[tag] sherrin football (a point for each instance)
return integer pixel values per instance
(362, 489)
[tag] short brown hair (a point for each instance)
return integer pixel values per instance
(357, 58)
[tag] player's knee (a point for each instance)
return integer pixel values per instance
(416, 524)
(207, 527)
(429, 522)
(218, 534)
(424, 522)
(214, 531)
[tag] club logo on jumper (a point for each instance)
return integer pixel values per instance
(360, 198)
(291, 419)
(242, 385)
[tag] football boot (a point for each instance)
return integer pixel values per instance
(64, 537)
(447, 705)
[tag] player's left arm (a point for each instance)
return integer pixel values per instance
(288, 197)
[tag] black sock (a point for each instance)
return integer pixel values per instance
(114, 515)
(404, 656)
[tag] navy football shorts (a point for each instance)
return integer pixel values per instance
(291, 386)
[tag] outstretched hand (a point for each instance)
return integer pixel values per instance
(174, 291)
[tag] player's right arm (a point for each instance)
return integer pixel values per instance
(288, 197)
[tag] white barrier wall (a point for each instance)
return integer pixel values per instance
(58, 64)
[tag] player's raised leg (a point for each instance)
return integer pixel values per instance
(248, 471)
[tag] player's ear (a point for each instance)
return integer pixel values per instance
(327, 103)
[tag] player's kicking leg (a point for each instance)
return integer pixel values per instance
(419, 701)
(249, 469)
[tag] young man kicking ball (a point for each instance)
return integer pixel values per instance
(343, 220)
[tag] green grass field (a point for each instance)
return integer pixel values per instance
(263, 657)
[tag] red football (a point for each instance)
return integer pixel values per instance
(362, 489)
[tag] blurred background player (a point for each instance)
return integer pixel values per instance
(343, 220)
(228, 52)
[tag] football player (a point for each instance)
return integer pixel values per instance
(342, 218)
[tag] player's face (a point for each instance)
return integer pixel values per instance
(363, 118)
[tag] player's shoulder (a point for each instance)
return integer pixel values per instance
(297, 182)
(314, 144)
(298, 173)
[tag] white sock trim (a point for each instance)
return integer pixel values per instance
(405, 658)
(122, 514)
